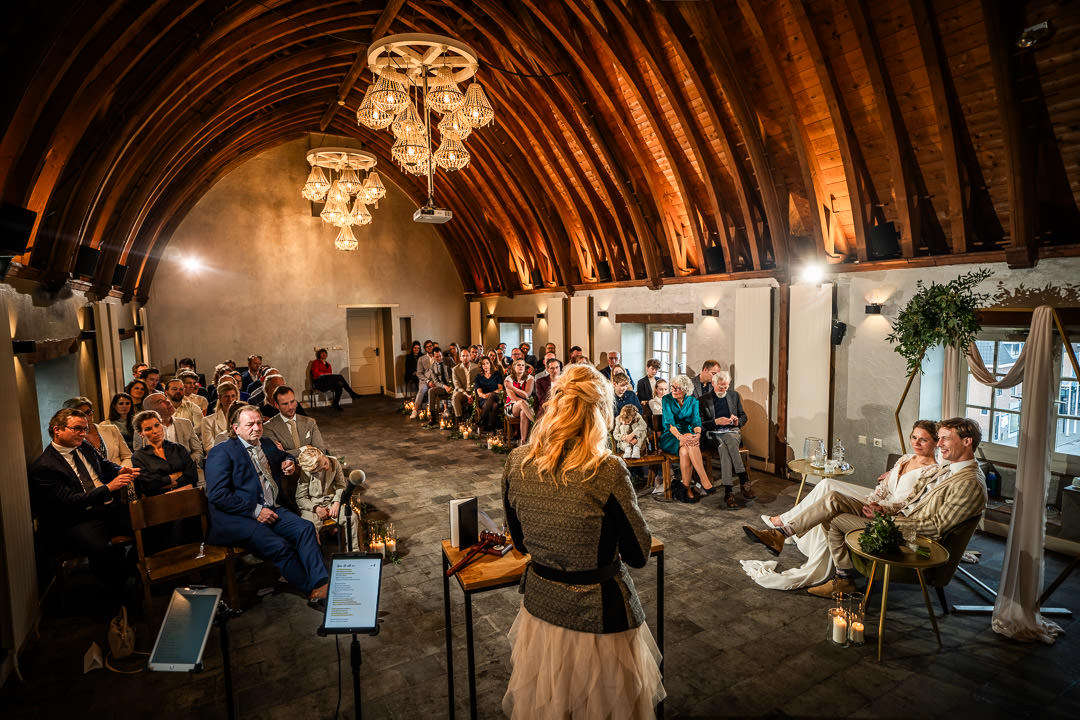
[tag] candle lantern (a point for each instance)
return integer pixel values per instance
(856, 618)
(838, 627)
(391, 541)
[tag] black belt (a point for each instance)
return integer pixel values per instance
(577, 577)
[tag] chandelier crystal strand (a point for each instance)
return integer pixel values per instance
(443, 96)
(360, 214)
(408, 122)
(370, 116)
(451, 154)
(346, 240)
(389, 94)
(455, 124)
(316, 186)
(477, 109)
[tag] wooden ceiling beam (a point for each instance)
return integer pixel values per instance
(386, 18)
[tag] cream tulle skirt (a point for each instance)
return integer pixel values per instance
(562, 673)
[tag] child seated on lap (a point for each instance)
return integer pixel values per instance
(630, 432)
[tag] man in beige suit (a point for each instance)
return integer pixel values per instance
(288, 428)
(464, 376)
(943, 497)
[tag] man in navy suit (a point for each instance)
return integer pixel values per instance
(243, 482)
(77, 498)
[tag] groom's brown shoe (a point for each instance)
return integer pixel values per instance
(771, 539)
(836, 585)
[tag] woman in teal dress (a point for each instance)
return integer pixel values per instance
(681, 421)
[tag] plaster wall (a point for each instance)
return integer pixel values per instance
(272, 283)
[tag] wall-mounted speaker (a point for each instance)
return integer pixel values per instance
(603, 271)
(86, 261)
(537, 278)
(838, 330)
(884, 241)
(714, 260)
(16, 224)
(118, 275)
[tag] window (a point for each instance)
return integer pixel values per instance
(513, 334)
(526, 335)
(997, 411)
(667, 343)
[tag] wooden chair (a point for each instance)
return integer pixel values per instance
(311, 394)
(511, 423)
(653, 458)
(955, 541)
(181, 559)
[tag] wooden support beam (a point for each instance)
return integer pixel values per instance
(656, 318)
(360, 63)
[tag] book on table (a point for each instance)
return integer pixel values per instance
(464, 522)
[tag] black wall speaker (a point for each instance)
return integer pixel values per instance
(537, 278)
(603, 271)
(838, 330)
(714, 259)
(86, 261)
(884, 242)
(16, 224)
(118, 275)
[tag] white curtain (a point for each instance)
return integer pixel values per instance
(1016, 610)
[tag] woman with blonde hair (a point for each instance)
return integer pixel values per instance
(319, 490)
(580, 644)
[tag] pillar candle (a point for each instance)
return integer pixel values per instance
(391, 546)
(856, 631)
(839, 631)
(378, 546)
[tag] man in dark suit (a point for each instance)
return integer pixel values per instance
(722, 420)
(647, 384)
(243, 484)
(77, 498)
(251, 375)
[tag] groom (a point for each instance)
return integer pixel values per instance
(943, 497)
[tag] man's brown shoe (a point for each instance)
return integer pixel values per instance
(747, 492)
(773, 540)
(835, 585)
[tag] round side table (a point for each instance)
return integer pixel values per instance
(804, 468)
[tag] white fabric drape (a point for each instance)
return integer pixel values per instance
(950, 383)
(1016, 610)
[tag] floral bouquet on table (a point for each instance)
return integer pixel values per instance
(881, 536)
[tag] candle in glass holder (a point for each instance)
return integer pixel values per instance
(838, 626)
(857, 630)
(378, 546)
(391, 546)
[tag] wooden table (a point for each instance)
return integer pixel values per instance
(906, 558)
(804, 468)
(489, 572)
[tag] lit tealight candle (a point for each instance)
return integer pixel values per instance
(391, 546)
(856, 631)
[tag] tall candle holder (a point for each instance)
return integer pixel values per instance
(838, 621)
(390, 540)
(856, 618)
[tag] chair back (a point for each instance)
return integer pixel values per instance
(892, 460)
(172, 506)
(307, 377)
(956, 542)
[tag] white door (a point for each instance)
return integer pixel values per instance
(365, 366)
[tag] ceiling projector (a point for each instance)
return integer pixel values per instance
(432, 215)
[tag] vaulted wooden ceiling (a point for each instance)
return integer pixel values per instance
(635, 142)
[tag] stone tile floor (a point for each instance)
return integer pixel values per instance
(733, 649)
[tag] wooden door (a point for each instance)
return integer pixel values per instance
(365, 350)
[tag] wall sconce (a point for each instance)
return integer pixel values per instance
(137, 328)
(873, 309)
(601, 313)
(87, 334)
(23, 347)
(710, 312)
(491, 316)
(541, 316)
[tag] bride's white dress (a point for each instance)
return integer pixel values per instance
(818, 566)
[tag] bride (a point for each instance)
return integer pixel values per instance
(887, 498)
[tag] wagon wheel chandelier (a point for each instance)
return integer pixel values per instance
(335, 179)
(416, 67)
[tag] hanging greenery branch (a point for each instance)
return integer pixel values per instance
(939, 315)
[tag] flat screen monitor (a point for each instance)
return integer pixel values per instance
(352, 602)
(182, 637)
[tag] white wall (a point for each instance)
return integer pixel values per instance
(273, 283)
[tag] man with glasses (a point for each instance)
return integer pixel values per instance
(77, 498)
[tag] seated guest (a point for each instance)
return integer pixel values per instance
(615, 364)
(543, 369)
(219, 421)
(581, 645)
(190, 382)
(234, 409)
(164, 465)
(319, 490)
(183, 407)
(238, 380)
(630, 432)
(515, 355)
(942, 497)
(264, 392)
(549, 348)
(656, 404)
(496, 361)
(623, 394)
(188, 365)
(646, 384)
(488, 381)
(504, 359)
(136, 369)
(137, 391)
(105, 438)
(78, 499)
(723, 418)
(440, 385)
(543, 385)
(530, 359)
(121, 413)
(177, 430)
(243, 484)
(423, 367)
(410, 365)
(251, 374)
(703, 380)
(464, 377)
(151, 376)
(576, 356)
(519, 387)
(288, 428)
(681, 423)
(888, 498)
(452, 356)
